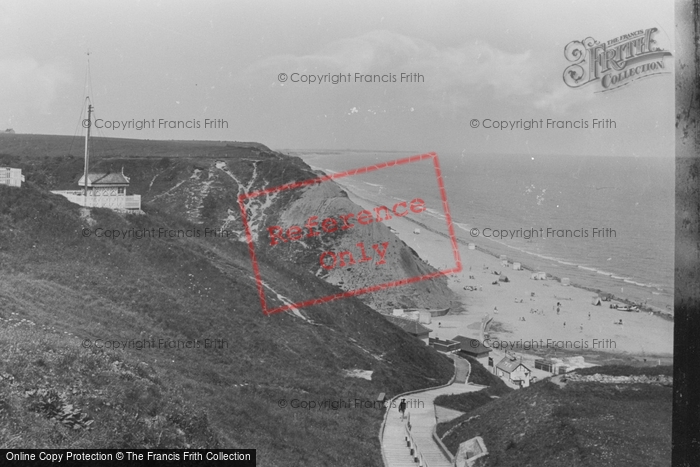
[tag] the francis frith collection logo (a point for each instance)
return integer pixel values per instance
(615, 63)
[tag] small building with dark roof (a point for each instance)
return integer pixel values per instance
(413, 327)
(472, 347)
(447, 346)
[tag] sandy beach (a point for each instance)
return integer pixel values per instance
(524, 310)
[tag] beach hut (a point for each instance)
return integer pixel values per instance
(566, 281)
(503, 278)
(397, 312)
(596, 301)
(414, 315)
(504, 263)
(425, 317)
(545, 364)
(517, 267)
(471, 246)
(416, 231)
(502, 257)
(539, 276)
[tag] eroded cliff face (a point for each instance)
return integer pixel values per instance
(374, 254)
(207, 193)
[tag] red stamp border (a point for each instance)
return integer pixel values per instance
(364, 290)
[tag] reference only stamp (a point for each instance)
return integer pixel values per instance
(313, 227)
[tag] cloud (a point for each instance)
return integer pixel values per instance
(561, 98)
(27, 85)
(374, 52)
(456, 78)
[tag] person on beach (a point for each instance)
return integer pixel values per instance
(402, 408)
(495, 310)
(564, 323)
(589, 316)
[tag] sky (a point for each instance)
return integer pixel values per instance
(220, 61)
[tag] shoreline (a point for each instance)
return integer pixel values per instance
(642, 336)
(643, 307)
(629, 282)
(626, 300)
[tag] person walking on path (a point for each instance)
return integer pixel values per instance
(402, 408)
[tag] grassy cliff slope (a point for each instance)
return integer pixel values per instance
(66, 298)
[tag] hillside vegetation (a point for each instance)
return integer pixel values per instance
(200, 181)
(576, 424)
(62, 291)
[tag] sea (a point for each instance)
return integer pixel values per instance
(603, 222)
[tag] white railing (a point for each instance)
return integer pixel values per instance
(11, 181)
(110, 202)
(132, 202)
(399, 396)
(411, 444)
